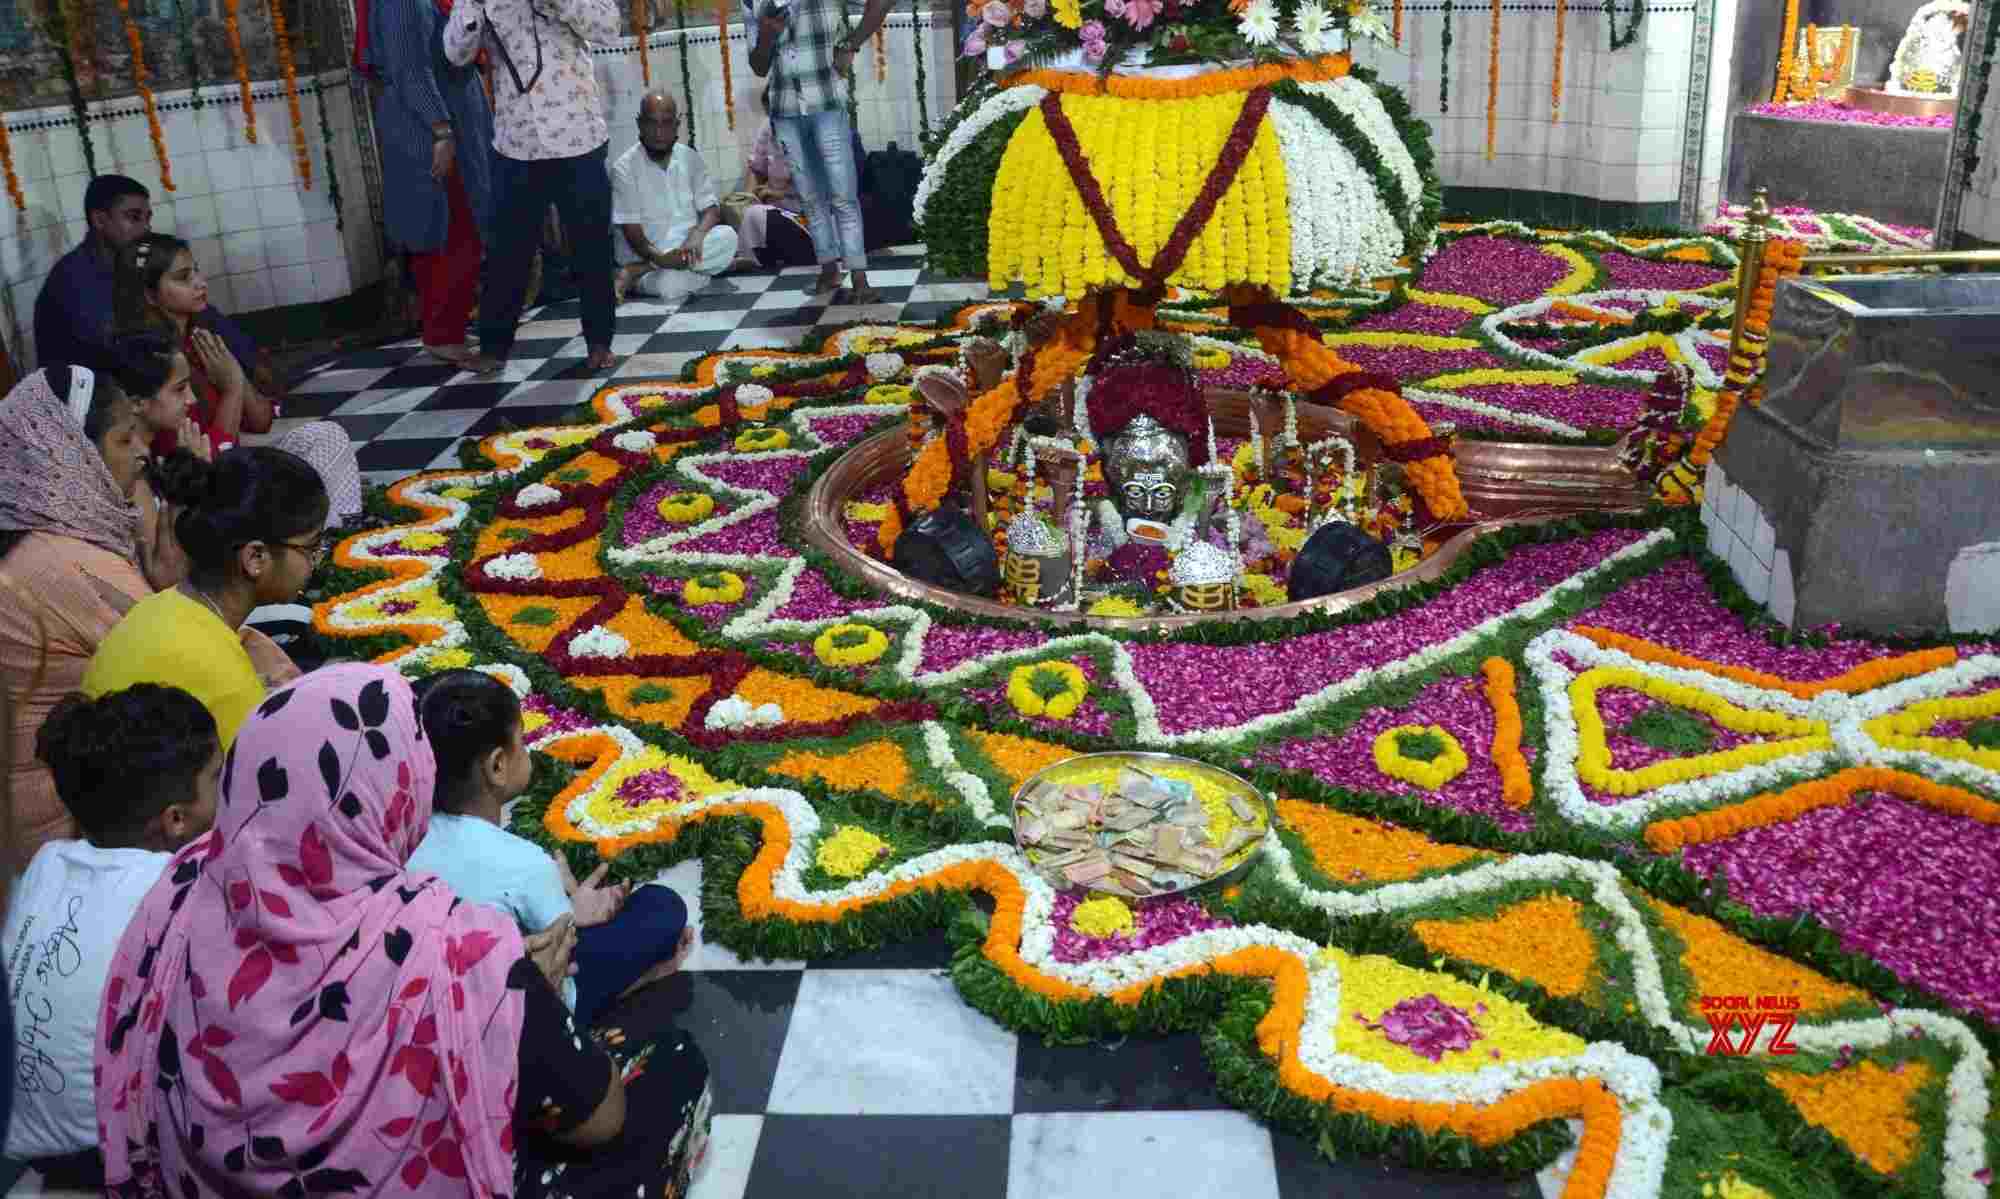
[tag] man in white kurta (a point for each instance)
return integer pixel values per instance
(665, 212)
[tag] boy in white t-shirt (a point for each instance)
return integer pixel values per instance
(139, 769)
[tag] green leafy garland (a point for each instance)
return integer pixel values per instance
(955, 221)
(315, 61)
(188, 51)
(853, 107)
(1444, 62)
(59, 34)
(687, 81)
(1976, 116)
(923, 100)
(1620, 41)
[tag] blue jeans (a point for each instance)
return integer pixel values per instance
(522, 192)
(820, 148)
(611, 956)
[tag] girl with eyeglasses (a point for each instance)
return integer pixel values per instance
(253, 525)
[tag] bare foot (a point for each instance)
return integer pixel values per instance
(481, 364)
(456, 355)
(601, 359)
(829, 278)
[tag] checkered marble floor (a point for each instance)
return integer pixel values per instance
(406, 411)
(868, 1075)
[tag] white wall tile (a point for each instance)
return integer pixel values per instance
(243, 252)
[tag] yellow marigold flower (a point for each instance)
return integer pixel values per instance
(1114, 605)
(1393, 758)
(1265, 589)
(450, 659)
(850, 851)
(1209, 358)
(763, 372)
(423, 541)
(889, 393)
(461, 493)
(751, 440)
(1068, 13)
(1103, 916)
(1051, 689)
(850, 645)
(685, 507)
(866, 513)
(721, 587)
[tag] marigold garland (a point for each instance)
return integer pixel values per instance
(242, 63)
(1390, 759)
(7, 165)
(1665, 836)
(139, 76)
(1786, 41)
(850, 645)
(1865, 1106)
(1864, 677)
(1493, 81)
(1028, 701)
(1517, 786)
(643, 31)
(1396, 23)
(1746, 365)
(882, 53)
(1556, 73)
(290, 69)
(722, 8)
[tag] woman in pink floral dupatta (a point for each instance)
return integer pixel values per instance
(290, 1013)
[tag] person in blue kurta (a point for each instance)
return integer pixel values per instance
(73, 314)
(437, 165)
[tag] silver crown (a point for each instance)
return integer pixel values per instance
(1202, 565)
(1031, 536)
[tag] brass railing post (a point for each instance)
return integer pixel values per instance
(1750, 252)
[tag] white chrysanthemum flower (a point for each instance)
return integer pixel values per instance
(536, 495)
(1364, 21)
(517, 567)
(751, 395)
(731, 713)
(635, 441)
(1259, 23)
(1311, 23)
(599, 642)
(767, 715)
(884, 366)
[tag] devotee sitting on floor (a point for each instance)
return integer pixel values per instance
(73, 313)
(253, 526)
(665, 211)
(74, 555)
(161, 288)
(625, 939)
(772, 219)
(438, 1013)
(138, 771)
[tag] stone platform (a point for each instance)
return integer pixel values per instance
(1890, 173)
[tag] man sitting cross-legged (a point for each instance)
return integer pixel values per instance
(139, 770)
(666, 212)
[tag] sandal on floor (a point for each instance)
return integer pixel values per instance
(454, 355)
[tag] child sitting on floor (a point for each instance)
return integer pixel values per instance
(138, 769)
(625, 938)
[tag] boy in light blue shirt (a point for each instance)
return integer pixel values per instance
(625, 938)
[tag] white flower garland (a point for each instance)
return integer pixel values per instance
(518, 568)
(599, 642)
(753, 395)
(1686, 341)
(1006, 101)
(735, 712)
(636, 441)
(537, 495)
(883, 366)
(1338, 219)
(1528, 420)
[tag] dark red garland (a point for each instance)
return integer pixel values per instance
(1332, 393)
(1121, 394)
(1417, 451)
(1235, 151)
(1272, 314)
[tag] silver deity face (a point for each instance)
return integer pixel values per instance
(1147, 467)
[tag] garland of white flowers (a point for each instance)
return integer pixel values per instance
(1687, 340)
(1003, 103)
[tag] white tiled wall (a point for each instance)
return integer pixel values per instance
(1740, 534)
(1619, 132)
(887, 109)
(1716, 121)
(263, 238)
(1979, 214)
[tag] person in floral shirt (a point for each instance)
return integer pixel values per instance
(549, 140)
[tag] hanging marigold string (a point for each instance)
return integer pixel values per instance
(242, 69)
(644, 30)
(1493, 81)
(1786, 41)
(728, 85)
(1741, 378)
(882, 53)
(1396, 28)
(687, 81)
(1556, 76)
(146, 93)
(283, 41)
(61, 33)
(7, 165)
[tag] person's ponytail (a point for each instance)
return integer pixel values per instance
(246, 494)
